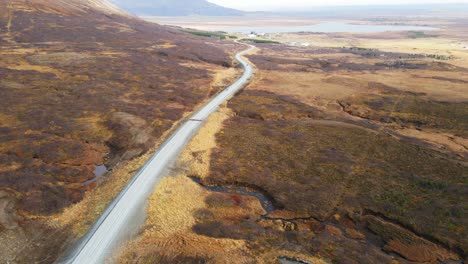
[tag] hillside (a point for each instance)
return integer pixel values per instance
(176, 8)
(84, 84)
(62, 6)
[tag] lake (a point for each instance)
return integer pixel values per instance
(326, 27)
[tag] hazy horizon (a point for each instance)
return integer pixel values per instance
(304, 5)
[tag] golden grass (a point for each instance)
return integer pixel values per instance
(24, 65)
(409, 81)
(440, 46)
(10, 167)
(8, 120)
(78, 218)
(221, 76)
(315, 89)
(167, 45)
(171, 208)
(113, 53)
(442, 140)
(323, 90)
(197, 154)
(224, 77)
(81, 216)
(388, 41)
(18, 51)
(121, 27)
(95, 124)
(168, 229)
(12, 84)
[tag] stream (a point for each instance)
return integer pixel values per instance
(269, 207)
(266, 203)
(287, 260)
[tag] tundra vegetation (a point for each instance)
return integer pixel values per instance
(263, 41)
(361, 152)
(354, 147)
(83, 85)
(211, 34)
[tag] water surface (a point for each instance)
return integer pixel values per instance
(286, 260)
(99, 171)
(326, 27)
(266, 203)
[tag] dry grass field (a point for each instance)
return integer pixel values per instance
(179, 205)
(355, 147)
(351, 150)
(411, 90)
(82, 86)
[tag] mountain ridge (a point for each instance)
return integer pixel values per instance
(64, 7)
(176, 8)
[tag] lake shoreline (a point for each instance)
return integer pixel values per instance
(245, 26)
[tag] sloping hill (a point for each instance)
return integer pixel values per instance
(64, 6)
(176, 8)
(82, 83)
(66, 68)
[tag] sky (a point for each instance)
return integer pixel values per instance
(276, 5)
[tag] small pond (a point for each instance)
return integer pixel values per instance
(99, 171)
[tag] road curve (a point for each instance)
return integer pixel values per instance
(113, 226)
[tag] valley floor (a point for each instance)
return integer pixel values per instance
(353, 150)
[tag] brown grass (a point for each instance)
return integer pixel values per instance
(421, 82)
(82, 215)
(272, 138)
(291, 71)
(171, 208)
(95, 201)
(312, 88)
(197, 155)
(175, 209)
(167, 45)
(9, 120)
(451, 142)
(167, 231)
(25, 66)
(74, 221)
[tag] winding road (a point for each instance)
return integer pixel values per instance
(127, 211)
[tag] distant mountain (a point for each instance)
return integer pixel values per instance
(64, 7)
(375, 10)
(176, 8)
